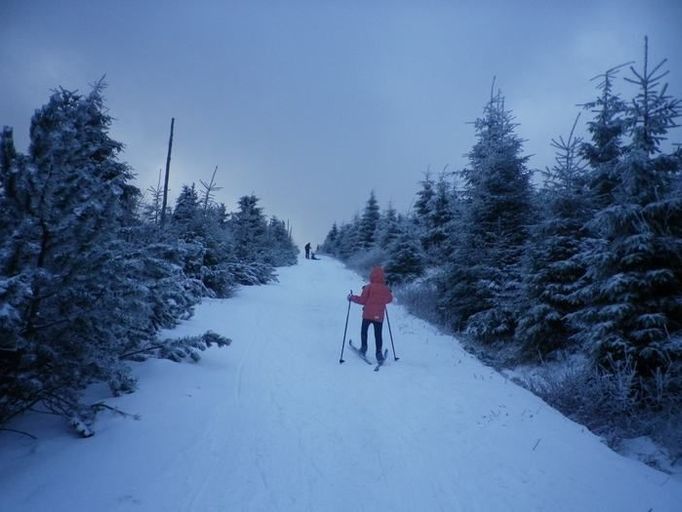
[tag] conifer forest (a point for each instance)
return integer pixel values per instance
(341, 256)
(92, 269)
(580, 267)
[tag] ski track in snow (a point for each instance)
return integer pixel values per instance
(275, 423)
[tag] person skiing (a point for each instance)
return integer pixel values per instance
(307, 251)
(374, 298)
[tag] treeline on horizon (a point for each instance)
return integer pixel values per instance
(89, 273)
(588, 264)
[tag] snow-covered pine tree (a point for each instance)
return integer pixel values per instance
(602, 154)
(281, 248)
(186, 214)
(72, 198)
(632, 306)
(151, 210)
(331, 241)
(187, 226)
(80, 285)
(369, 223)
(605, 148)
(405, 255)
(350, 242)
(248, 226)
(480, 286)
(14, 230)
(422, 205)
(340, 247)
(436, 224)
(553, 270)
(389, 227)
(249, 229)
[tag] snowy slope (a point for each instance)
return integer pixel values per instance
(275, 423)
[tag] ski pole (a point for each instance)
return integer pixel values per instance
(345, 329)
(395, 358)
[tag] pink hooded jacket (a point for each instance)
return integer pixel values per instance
(374, 296)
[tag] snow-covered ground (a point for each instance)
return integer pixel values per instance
(273, 422)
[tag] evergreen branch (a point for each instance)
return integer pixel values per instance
(18, 432)
(612, 71)
(656, 68)
(97, 406)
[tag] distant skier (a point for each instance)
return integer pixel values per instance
(374, 298)
(307, 251)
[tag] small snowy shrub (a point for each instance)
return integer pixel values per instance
(617, 403)
(420, 298)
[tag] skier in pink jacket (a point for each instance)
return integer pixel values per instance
(374, 298)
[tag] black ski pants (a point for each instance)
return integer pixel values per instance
(377, 335)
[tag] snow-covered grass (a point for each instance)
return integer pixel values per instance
(274, 422)
(605, 403)
(568, 381)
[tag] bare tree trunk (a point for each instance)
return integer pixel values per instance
(165, 183)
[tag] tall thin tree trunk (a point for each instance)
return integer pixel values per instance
(165, 184)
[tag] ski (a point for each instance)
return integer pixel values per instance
(357, 351)
(381, 363)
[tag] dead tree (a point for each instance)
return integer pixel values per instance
(165, 183)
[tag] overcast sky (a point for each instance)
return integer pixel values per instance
(312, 104)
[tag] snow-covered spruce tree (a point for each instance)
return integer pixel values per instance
(422, 205)
(340, 247)
(421, 210)
(74, 282)
(71, 200)
(221, 253)
(218, 250)
(369, 223)
(350, 242)
(605, 148)
(249, 228)
(281, 248)
(156, 263)
(632, 305)
(14, 285)
(151, 209)
(331, 241)
(602, 154)
(389, 228)
(436, 236)
(405, 256)
(186, 214)
(553, 270)
(249, 233)
(480, 286)
(187, 226)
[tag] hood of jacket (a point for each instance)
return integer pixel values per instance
(377, 276)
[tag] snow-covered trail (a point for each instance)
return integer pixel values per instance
(273, 422)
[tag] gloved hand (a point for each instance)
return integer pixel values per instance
(350, 296)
